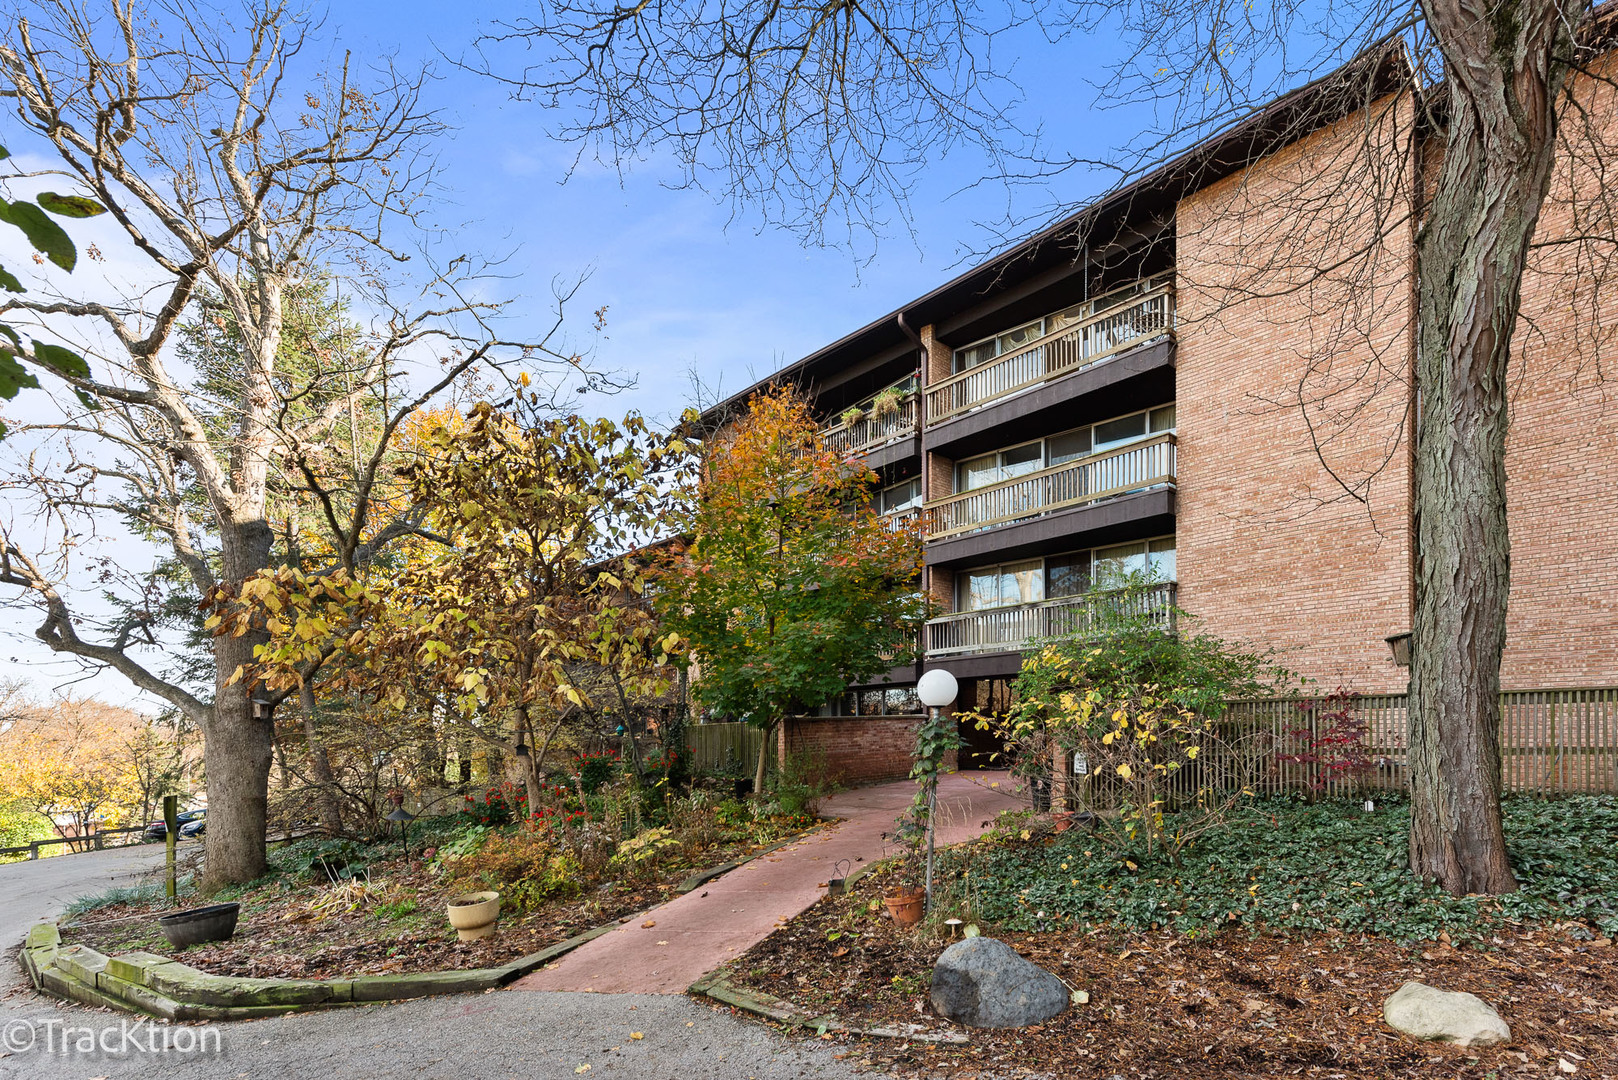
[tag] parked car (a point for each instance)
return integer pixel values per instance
(194, 827)
(157, 830)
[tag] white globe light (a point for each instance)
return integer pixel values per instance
(936, 688)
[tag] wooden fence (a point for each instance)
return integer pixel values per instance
(723, 746)
(1553, 742)
(96, 841)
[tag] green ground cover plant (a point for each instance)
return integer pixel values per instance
(1283, 865)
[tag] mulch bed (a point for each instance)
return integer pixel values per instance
(279, 936)
(1227, 1006)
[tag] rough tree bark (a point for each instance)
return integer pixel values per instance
(1507, 65)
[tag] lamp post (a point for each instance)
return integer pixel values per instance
(936, 688)
(404, 818)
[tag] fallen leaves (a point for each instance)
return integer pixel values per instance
(1203, 1009)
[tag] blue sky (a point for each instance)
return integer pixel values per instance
(685, 282)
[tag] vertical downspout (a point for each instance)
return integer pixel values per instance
(921, 446)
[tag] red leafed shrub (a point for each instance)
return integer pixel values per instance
(1332, 750)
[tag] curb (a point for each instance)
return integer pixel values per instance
(717, 985)
(160, 986)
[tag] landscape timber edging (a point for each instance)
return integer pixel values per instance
(717, 985)
(160, 986)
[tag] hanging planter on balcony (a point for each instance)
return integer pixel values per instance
(886, 403)
(852, 416)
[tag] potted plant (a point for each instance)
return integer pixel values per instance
(906, 901)
(475, 915)
(886, 403)
(852, 415)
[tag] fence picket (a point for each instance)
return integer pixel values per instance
(1552, 741)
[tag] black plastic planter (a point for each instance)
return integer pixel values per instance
(216, 922)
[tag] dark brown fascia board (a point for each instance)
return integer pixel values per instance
(1382, 68)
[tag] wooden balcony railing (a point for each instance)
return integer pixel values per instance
(1090, 479)
(1072, 348)
(871, 431)
(1005, 629)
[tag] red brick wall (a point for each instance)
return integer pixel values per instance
(1562, 449)
(940, 357)
(858, 749)
(1275, 358)
(940, 477)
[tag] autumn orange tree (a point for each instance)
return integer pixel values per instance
(73, 762)
(527, 613)
(792, 586)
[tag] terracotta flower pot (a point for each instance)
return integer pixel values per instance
(906, 906)
(474, 915)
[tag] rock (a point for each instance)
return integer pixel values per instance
(1422, 1012)
(981, 982)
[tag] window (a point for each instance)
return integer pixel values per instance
(1119, 431)
(981, 352)
(1071, 574)
(1067, 575)
(890, 701)
(1160, 560)
(1069, 446)
(988, 469)
(1113, 565)
(902, 701)
(1001, 465)
(905, 495)
(998, 586)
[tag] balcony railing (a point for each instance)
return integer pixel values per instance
(870, 430)
(1006, 629)
(1090, 479)
(1072, 348)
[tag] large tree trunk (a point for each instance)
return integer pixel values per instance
(236, 747)
(1502, 85)
(327, 805)
(236, 754)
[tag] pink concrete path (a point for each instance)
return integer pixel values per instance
(695, 933)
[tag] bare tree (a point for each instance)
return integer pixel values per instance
(747, 90)
(183, 123)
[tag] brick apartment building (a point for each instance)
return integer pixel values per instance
(1207, 375)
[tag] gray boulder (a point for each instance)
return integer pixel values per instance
(981, 982)
(1422, 1012)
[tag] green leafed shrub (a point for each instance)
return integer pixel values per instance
(523, 865)
(1281, 865)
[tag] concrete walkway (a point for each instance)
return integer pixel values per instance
(695, 933)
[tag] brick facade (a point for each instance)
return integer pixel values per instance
(1292, 513)
(1562, 449)
(856, 749)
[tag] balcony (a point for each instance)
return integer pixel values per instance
(1072, 348)
(872, 430)
(1015, 628)
(1135, 467)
